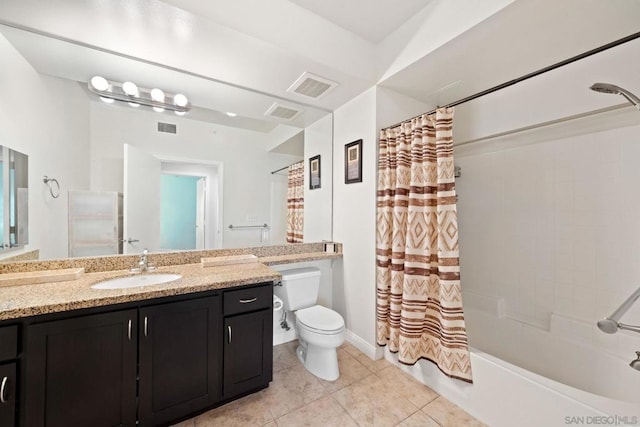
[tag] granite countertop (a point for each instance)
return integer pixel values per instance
(35, 299)
(31, 300)
(302, 257)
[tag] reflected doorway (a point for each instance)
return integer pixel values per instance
(182, 212)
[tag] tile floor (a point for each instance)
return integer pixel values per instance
(368, 393)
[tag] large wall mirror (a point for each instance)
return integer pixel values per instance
(155, 180)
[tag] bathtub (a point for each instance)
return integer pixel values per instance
(503, 394)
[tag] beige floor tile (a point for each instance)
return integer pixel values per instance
(323, 412)
(407, 386)
(252, 410)
(292, 388)
(284, 356)
(271, 424)
(372, 365)
(370, 402)
(419, 419)
(449, 415)
(350, 371)
(187, 423)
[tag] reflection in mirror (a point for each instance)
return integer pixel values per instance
(14, 195)
(184, 180)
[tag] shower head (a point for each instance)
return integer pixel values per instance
(635, 364)
(617, 90)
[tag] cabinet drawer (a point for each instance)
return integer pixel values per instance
(249, 299)
(8, 342)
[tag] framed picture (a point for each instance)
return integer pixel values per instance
(314, 172)
(353, 162)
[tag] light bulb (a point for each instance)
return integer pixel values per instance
(157, 95)
(134, 104)
(130, 88)
(107, 100)
(99, 83)
(158, 109)
(180, 113)
(180, 100)
(230, 114)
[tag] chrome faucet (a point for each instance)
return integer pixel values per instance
(143, 263)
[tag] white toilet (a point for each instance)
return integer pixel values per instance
(320, 330)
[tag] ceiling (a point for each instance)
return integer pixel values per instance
(436, 51)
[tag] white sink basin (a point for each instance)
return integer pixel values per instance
(136, 281)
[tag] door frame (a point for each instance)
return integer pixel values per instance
(218, 242)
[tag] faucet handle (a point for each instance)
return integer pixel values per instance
(145, 251)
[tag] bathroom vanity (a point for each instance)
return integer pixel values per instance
(72, 355)
(154, 360)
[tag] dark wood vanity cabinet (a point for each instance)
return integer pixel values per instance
(248, 345)
(149, 363)
(7, 394)
(8, 377)
(180, 362)
(82, 371)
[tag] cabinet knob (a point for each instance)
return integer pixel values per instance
(229, 330)
(247, 301)
(145, 325)
(3, 397)
(129, 330)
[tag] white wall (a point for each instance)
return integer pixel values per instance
(47, 119)
(354, 207)
(354, 218)
(247, 166)
(551, 228)
(317, 202)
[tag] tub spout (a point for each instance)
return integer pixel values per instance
(635, 364)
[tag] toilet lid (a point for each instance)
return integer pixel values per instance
(321, 318)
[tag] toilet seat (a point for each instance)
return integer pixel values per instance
(320, 320)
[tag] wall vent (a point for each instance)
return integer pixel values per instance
(167, 127)
(281, 112)
(312, 86)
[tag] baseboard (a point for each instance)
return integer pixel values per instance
(373, 351)
(283, 336)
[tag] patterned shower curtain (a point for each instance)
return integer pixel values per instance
(419, 305)
(295, 203)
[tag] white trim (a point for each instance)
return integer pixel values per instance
(372, 351)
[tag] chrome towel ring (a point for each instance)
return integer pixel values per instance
(50, 182)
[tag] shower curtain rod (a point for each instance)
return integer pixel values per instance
(527, 76)
(283, 168)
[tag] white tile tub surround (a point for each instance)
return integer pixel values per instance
(550, 238)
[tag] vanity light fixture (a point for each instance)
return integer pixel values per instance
(129, 92)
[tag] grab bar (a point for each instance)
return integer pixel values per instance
(611, 324)
(238, 227)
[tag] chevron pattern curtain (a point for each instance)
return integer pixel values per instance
(295, 203)
(419, 300)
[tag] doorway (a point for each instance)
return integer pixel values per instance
(182, 212)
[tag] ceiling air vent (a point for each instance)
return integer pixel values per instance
(167, 127)
(281, 112)
(312, 86)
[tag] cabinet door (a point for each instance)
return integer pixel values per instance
(7, 394)
(82, 371)
(180, 359)
(248, 352)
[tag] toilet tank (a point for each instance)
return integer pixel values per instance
(299, 288)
